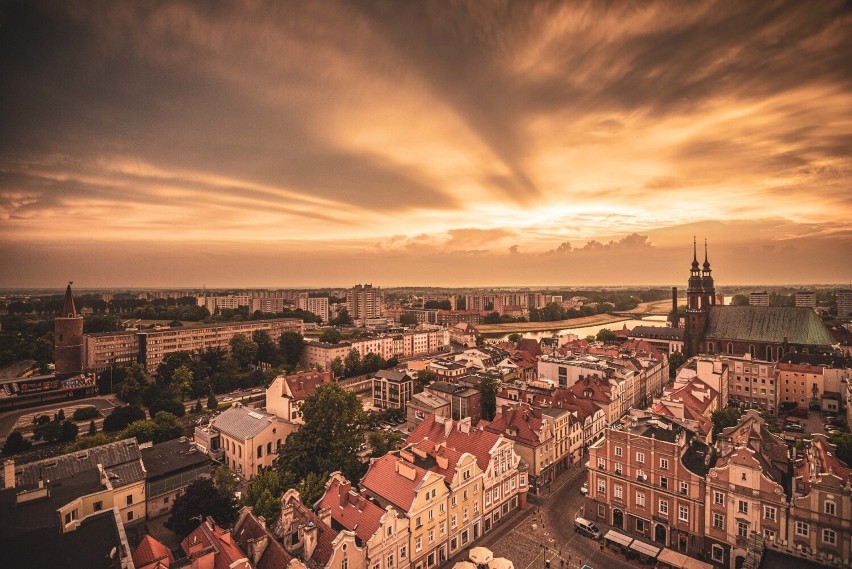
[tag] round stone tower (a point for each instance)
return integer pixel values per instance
(68, 338)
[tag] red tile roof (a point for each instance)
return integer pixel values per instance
(521, 424)
(477, 442)
(394, 480)
(305, 383)
(303, 516)
(530, 345)
(598, 389)
(213, 547)
(248, 531)
(351, 509)
(151, 554)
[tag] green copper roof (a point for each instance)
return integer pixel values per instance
(800, 325)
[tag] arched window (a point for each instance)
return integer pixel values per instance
(730, 348)
(751, 350)
(268, 448)
(259, 451)
(769, 353)
(710, 347)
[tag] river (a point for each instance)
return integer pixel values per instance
(584, 331)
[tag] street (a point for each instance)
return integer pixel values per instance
(546, 532)
(19, 417)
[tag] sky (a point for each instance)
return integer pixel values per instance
(451, 143)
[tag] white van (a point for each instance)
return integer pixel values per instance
(587, 528)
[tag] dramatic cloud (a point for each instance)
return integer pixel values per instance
(424, 142)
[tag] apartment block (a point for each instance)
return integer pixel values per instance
(806, 298)
(364, 302)
(314, 305)
(758, 298)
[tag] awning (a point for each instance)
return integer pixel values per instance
(692, 563)
(618, 538)
(672, 558)
(644, 548)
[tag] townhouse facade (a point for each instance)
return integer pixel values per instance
(406, 345)
(285, 394)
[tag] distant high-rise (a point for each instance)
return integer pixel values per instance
(364, 302)
(68, 338)
(758, 298)
(806, 298)
(844, 303)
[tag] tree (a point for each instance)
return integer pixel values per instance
(381, 442)
(201, 499)
(266, 351)
(408, 319)
(844, 446)
(337, 367)
(15, 443)
(212, 403)
(70, 430)
(243, 350)
(676, 360)
(170, 363)
(176, 408)
(724, 418)
(89, 441)
(198, 406)
(92, 428)
(121, 417)
(489, 385)
(168, 427)
(265, 490)
(739, 300)
(425, 377)
(330, 437)
(225, 480)
(492, 318)
(143, 431)
(50, 432)
(343, 318)
(605, 335)
(352, 363)
(312, 488)
(515, 338)
(182, 381)
(330, 336)
(83, 413)
(291, 344)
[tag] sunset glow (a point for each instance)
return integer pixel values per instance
(432, 143)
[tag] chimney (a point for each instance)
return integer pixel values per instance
(310, 534)
(9, 473)
(325, 515)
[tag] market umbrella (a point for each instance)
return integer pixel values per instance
(481, 555)
(500, 563)
(464, 565)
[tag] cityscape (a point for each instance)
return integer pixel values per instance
(386, 285)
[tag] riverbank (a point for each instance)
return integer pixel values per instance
(520, 327)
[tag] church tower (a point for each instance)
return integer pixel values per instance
(697, 303)
(68, 338)
(707, 281)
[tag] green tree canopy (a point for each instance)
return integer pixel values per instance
(15, 443)
(515, 338)
(343, 318)
(676, 360)
(408, 319)
(182, 381)
(605, 335)
(381, 442)
(265, 490)
(89, 441)
(724, 418)
(291, 344)
(121, 417)
(243, 350)
(330, 336)
(489, 386)
(267, 351)
(739, 300)
(329, 439)
(201, 499)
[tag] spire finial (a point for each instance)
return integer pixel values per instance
(706, 261)
(694, 254)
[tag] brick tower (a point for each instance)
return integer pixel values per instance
(697, 303)
(68, 338)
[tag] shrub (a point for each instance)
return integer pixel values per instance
(84, 413)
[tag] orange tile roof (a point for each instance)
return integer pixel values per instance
(394, 480)
(213, 547)
(477, 442)
(325, 534)
(305, 383)
(520, 424)
(351, 509)
(152, 554)
(249, 530)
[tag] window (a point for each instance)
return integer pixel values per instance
(402, 552)
(802, 529)
(98, 506)
(129, 499)
(743, 507)
(453, 521)
(268, 448)
(829, 536)
(616, 491)
(431, 514)
(601, 511)
(664, 482)
(718, 553)
(742, 529)
(442, 528)
(601, 486)
(769, 513)
(602, 464)
(454, 501)
(718, 521)
(640, 525)
(769, 534)
(418, 544)
(441, 508)
(684, 487)
(829, 507)
(683, 513)
(664, 464)
(431, 535)
(418, 522)
(640, 499)
(464, 514)
(640, 457)
(488, 498)
(130, 516)
(259, 451)
(617, 468)
(476, 507)
(464, 495)
(390, 560)
(664, 507)
(617, 451)
(344, 564)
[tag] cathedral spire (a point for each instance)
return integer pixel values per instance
(706, 262)
(68, 308)
(694, 254)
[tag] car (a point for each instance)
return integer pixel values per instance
(400, 421)
(226, 399)
(584, 489)
(797, 427)
(256, 390)
(587, 528)
(832, 431)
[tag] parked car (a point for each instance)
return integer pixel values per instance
(227, 399)
(797, 427)
(587, 528)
